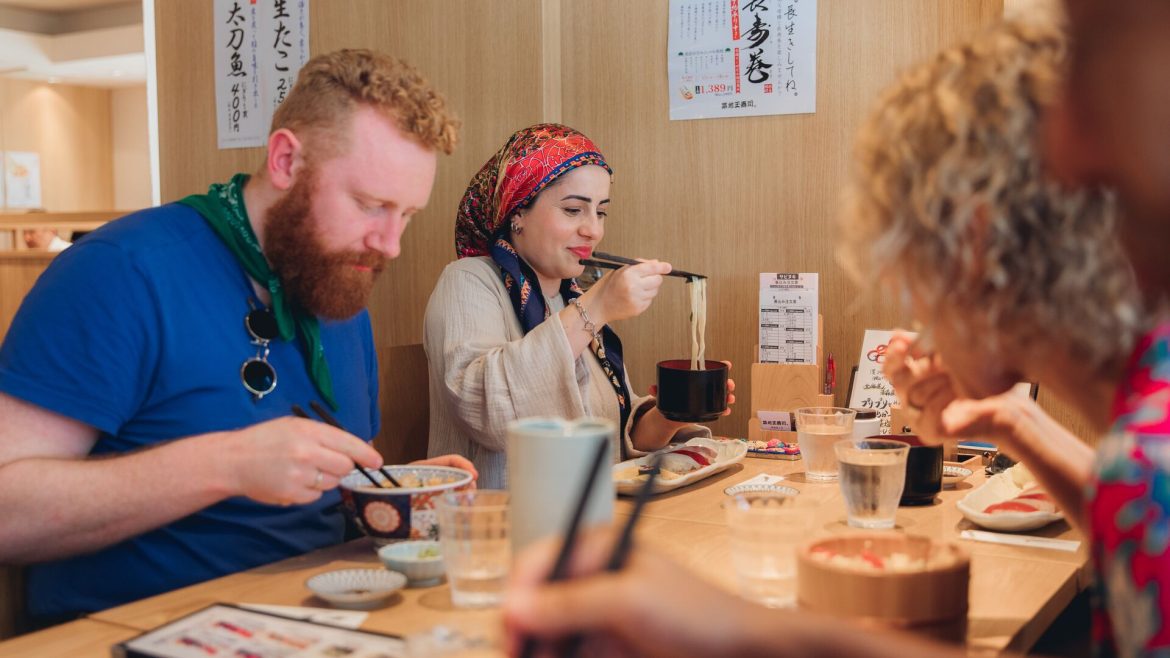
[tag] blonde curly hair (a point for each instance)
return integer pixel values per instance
(950, 200)
(330, 86)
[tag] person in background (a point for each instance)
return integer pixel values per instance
(509, 333)
(1013, 273)
(147, 380)
(44, 239)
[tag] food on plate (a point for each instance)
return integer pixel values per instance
(1021, 476)
(676, 462)
(1031, 499)
(687, 458)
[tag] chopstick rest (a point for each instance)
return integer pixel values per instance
(1067, 545)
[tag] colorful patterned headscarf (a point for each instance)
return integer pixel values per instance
(530, 160)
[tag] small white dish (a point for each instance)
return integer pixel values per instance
(954, 473)
(356, 588)
(728, 453)
(997, 489)
(756, 487)
(421, 561)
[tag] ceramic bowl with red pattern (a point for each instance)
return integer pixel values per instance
(397, 513)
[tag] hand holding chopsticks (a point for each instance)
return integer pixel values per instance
(621, 550)
(329, 419)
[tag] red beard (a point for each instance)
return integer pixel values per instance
(329, 284)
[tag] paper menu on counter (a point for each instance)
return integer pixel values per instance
(871, 389)
(789, 307)
(227, 630)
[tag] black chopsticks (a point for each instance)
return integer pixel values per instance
(610, 261)
(621, 551)
(328, 418)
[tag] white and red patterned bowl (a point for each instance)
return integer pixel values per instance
(395, 514)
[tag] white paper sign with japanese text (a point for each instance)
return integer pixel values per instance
(871, 389)
(732, 58)
(789, 305)
(260, 46)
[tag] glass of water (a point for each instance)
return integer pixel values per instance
(873, 473)
(765, 529)
(474, 531)
(817, 429)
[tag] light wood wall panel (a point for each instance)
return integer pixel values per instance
(70, 128)
(18, 272)
(735, 197)
(731, 198)
(486, 57)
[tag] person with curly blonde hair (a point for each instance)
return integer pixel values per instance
(1021, 277)
(150, 372)
(1015, 276)
(958, 214)
(951, 204)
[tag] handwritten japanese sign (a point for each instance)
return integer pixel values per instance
(729, 58)
(260, 45)
(871, 389)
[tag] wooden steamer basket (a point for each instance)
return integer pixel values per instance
(931, 602)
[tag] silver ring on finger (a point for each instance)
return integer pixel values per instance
(317, 480)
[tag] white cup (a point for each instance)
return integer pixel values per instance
(548, 463)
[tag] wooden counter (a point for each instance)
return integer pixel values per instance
(84, 638)
(1016, 593)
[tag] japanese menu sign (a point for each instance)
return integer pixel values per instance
(871, 389)
(789, 306)
(260, 45)
(732, 58)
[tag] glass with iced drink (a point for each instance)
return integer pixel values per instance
(873, 473)
(817, 429)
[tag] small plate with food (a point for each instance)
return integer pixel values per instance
(1010, 501)
(682, 464)
(774, 449)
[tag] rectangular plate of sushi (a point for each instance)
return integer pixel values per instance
(682, 464)
(774, 449)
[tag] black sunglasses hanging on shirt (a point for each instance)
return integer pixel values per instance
(258, 376)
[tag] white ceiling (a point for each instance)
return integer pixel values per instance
(95, 43)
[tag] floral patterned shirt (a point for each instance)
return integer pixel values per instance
(1129, 510)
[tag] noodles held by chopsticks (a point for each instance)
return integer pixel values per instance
(698, 288)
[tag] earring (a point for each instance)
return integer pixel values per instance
(516, 228)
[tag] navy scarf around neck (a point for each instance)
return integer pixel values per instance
(528, 302)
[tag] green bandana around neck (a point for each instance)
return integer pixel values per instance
(223, 208)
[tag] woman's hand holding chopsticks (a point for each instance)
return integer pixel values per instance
(652, 607)
(626, 292)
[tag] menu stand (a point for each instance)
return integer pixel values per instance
(787, 387)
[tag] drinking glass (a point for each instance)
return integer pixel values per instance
(817, 429)
(765, 529)
(473, 529)
(873, 473)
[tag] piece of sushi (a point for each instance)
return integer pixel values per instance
(1037, 501)
(687, 458)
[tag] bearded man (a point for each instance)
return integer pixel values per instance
(146, 383)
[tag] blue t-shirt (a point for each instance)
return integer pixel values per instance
(138, 330)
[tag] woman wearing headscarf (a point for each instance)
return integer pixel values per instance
(509, 334)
